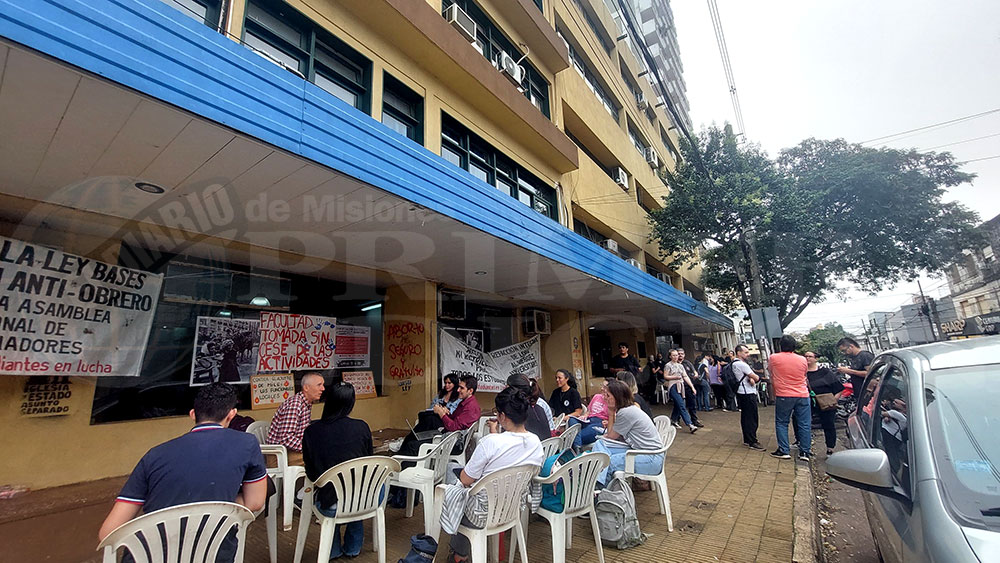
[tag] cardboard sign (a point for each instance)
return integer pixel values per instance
(363, 382)
(490, 368)
(353, 343)
(296, 342)
(46, 396)
(63, 314)
(269, 391)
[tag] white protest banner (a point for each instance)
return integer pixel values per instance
(490, 368)
(296, 342)
(353, 344)
(62, 314)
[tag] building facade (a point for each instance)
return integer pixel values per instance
(974, 279)
(410, 168)
(660, 34)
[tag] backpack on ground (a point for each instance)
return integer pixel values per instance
(422, 549)
(616, 516)
(729, 378)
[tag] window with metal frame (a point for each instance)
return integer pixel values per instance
(289, 38)
(402, 109)
(638, 142)
(590, 77)
(493, 42)
(205, 11)
(466, 150)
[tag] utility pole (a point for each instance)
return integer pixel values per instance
(878, 335)
(925, 310)
(868, 339)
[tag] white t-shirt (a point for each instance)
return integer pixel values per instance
(500, 451)
(741, 369)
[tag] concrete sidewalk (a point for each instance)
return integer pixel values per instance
(729, 503)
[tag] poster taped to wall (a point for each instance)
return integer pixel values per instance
(353, 346)
(296, 342)
(490, 368)
(224, 350)
(62, 314)
(363, 382)
(269, 391)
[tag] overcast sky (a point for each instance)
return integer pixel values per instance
(856, 69)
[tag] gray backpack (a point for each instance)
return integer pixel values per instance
(616, 515)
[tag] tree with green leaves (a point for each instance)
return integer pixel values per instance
(823, 341)
(787, 232)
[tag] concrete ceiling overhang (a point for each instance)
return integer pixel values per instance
(347, 191)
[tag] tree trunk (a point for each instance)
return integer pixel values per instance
(748, 238)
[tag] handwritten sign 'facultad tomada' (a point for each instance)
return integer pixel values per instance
(62, 314)
(296, 342)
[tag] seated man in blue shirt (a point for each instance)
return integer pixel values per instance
(209, 463)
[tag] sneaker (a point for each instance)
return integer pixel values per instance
(805, 456)
(829, 451)
(676, 424)
(693, 428)
(394, 445)
(780, 454)
(756, 446)
(699, 425)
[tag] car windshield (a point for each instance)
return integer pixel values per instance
(965, 439)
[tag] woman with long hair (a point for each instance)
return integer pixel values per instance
(628, 429)
(332, 440)
(565, 399)
(676, 378)
(448, 393)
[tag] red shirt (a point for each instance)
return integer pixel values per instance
(788, 375)
(466, 414)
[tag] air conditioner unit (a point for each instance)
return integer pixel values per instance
(641, 102)
(665, 278)
(634, 262)
(610, 245)
(689, 294)
(478, 47)
(513, 71)
(652, 158)
(451, 305)
(537, 321)
(461, 21)
(620, 176)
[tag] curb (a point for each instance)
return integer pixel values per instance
(806, 545)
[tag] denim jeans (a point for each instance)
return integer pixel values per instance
(783, 409)
(354, 535)
(703, 390)
(591, 429)
(644, 464)
(679, 405)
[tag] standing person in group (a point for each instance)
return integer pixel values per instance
(705, 386)
(495, 451)
(597, 416)
(825, 380)
(623, 361)
(330, 441)
(791, 392)
(209, 463)
(646, 380)
(294, 415)
(859, 361)
(565, 399)
(729, 398)
(628, 429)
(676, 379)
(713, 372)
(746, 397)
(690, 397)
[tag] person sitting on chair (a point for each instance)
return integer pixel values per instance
(465, 415)
(448, 394)
(628, 429)
(294, 415)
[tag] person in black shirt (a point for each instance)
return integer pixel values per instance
(332, 440)
(624, 361)
(565, 399)
(859, 361)
(538, 421)
(824, 380)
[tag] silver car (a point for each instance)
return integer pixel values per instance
(926, 439)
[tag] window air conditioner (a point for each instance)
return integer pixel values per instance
(652, 158)
(620, 176)
(610, 245)
(451, 305)
(663, 277)
(461, 21)
(537, 321)
(634, 262)
(641, 102)
(513, 71)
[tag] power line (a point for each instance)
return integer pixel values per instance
(963, 141)
(980, 159)
(720, 39)
(932, 126)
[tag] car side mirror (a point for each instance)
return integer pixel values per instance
(867, 469)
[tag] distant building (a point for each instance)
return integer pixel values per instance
(974, 279)
(911, 324)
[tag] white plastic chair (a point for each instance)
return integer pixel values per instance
(558, 421)
(552, 446)
(467, 435)
(216, 519)
(503, 493)
(663, 425)
(430, 470)
(358, 484)
(659, 480)
(579, 477)
(569, 436)
(271, 522)
(285, 476)
(662, 395)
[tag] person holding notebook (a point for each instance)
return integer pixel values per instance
(628, 429)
